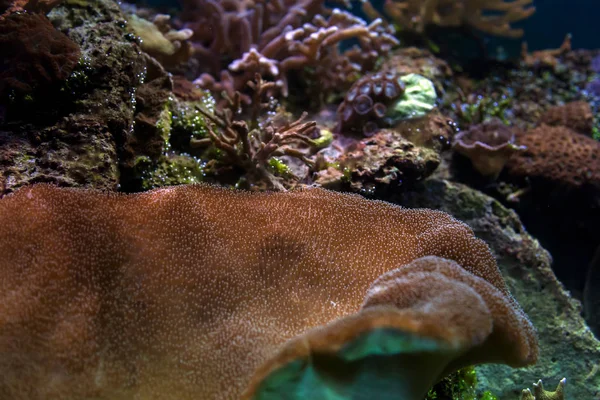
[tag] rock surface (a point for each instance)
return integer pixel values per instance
(567, 346)
(74, 136)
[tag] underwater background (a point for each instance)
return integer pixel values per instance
(292, 199)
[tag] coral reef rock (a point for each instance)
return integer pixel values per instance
(73, 138)
(567, 346)
(591, 294)
(34, 53)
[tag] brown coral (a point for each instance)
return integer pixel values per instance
(489, 146)
(557, 156)
(34, 53)
(431, 298)
(169, 46)
(545, 58)
(183, 292)
(489, 16)
(250, 146)
(366, 103)
(576, 115)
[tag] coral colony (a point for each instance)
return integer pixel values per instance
(294, 199)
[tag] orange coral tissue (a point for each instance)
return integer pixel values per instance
(196, 292)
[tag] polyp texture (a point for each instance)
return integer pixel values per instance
(184, 292)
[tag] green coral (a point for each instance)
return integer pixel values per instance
(488, 396)
(418, 99)
(596, 132)
(324, 140)
(385, 363)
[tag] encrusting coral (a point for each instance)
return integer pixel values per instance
(557, 156)
(575, 115)
(185, 292)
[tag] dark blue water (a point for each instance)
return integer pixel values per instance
(554, 18)
(547, 28)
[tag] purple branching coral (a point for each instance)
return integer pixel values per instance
(237, 39)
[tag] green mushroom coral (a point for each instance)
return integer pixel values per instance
(418, 99)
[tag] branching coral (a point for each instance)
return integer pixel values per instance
(275, 38)
(183, 293)
(540, 394)
(34, 53)
(253, 147)
(545, 58)
(490, 16)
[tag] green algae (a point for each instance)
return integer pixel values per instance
(461, 385)
(186, 118)
(278, 167)
(324, 140)
(169, 170)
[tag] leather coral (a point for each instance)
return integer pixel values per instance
(201, 292)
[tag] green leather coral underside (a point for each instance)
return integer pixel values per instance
(380, 364)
